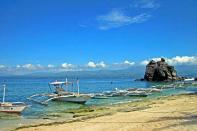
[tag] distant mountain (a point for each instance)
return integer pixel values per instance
(133, 72)
(5, 74)
(187, 70)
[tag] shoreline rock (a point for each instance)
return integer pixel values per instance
(160, 71)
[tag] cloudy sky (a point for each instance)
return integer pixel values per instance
(61, 35)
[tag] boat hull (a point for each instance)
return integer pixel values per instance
(137, 95)
(73, 99)
(100, 97)
(12, 109)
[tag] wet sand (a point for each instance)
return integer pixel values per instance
(166, 113)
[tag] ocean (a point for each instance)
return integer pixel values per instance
(19, 89)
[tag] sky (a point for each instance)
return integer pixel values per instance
(58, 35)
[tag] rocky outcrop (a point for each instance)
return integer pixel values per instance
(160, 71)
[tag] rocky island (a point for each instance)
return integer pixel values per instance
(160, 71)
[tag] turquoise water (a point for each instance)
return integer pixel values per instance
(18, 89)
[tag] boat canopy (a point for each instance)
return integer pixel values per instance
(59, 83)
(190, 79)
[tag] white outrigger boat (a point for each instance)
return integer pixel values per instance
(60, 94)
(137, 92)
(11, 107)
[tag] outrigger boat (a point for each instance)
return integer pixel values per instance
(60, 94)
(137, 93)
(11, 107)
(99, 96)
(146, 90)
(130, 92)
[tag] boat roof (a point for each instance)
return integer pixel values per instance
(59, 83)
(190, 79)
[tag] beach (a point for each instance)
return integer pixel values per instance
(178, 112)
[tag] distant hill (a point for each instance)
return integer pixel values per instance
(187, 70)
(133, 72)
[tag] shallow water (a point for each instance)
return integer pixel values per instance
(18, 89)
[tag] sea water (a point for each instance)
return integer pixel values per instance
(19, 89)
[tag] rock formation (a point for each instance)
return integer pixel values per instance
(160, 71)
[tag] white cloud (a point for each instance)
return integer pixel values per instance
(101, 64)
(39, 66)
(177, 60)
(92, 64)
(66, 65)
(122, 65)
(26, 68)
(117, 18)
(144, 62)
(2, 66)
(18, 66)
(126, 62)
(146, 4)
(29, 67)
(50, 66)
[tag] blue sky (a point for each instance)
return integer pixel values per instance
(36, 34)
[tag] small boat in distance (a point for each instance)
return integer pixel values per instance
(99, 96)
(137, 92)
(189, 79)
(11, 107)
(60, 94)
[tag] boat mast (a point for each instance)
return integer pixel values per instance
(4, 93)
(78, 86)
(66, 84)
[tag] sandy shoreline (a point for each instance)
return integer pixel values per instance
(168, 113)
